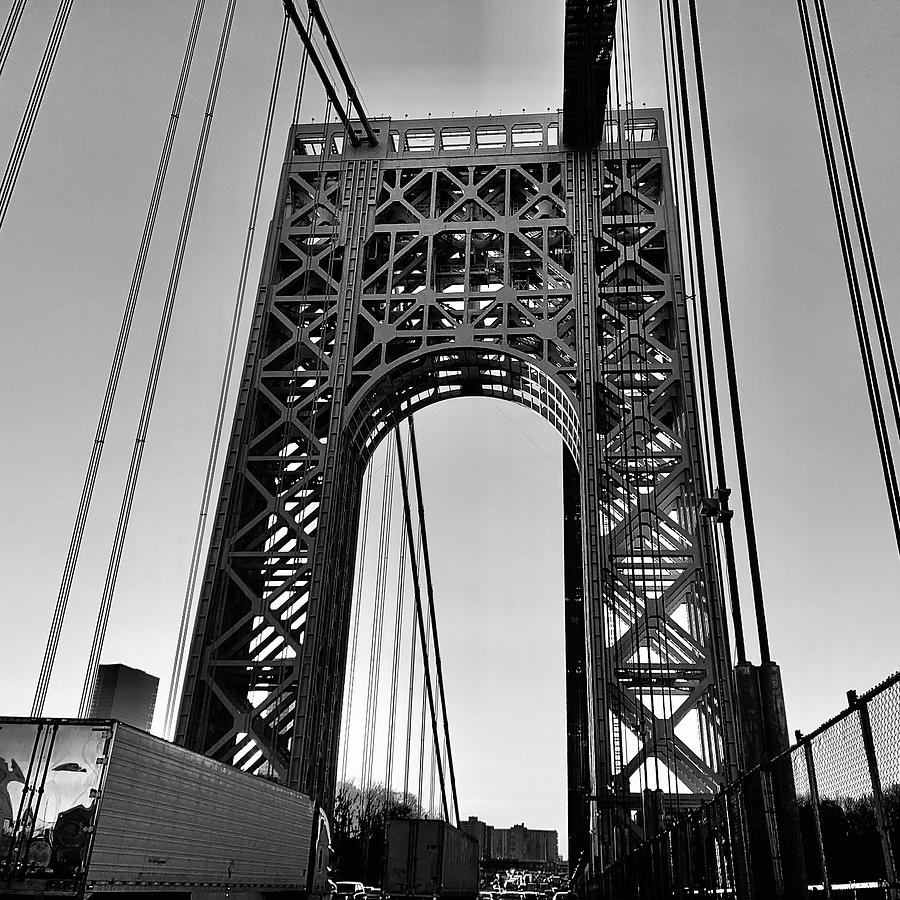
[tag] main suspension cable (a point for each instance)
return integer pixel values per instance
(90, 477)
(33, 107)
(155, 369)
(224, 392)
(301, 79)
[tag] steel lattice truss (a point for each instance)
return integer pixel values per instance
(470, 257)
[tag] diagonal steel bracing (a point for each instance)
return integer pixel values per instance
(455, 258)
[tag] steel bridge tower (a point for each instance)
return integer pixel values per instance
(473, 257)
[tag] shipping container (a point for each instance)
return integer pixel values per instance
(97, 806)
(429, 858)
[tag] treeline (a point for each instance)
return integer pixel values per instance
(850, 837)
(357, 828)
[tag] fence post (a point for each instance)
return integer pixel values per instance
(683, 880)
(737, 832)
(669, 860)
(877, 797)
(814, 803)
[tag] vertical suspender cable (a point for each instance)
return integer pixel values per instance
(655, 542)
(424, 709)
(709, 360)
(873, 281)
(617, 358)
(9, 30)
(115, 370)
(395, 664)
(639, 458)
(376, 644)
(155, 368)
(435, 761)
(411, 691)
(730, 369)
(429, 587)
(429, 689)
(718, 562)
(33, 107)
(673, 116)
(357, 603)
(859, 316)
(224, 390)
(859, 211)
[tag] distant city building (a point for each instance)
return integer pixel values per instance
(517, 843)
(126, 694)
(482, 832)
(525, 844)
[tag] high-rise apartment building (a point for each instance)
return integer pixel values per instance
(126, 694)
(525, 844)
(517, 843)
(482, 832)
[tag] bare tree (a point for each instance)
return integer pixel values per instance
(358, 826)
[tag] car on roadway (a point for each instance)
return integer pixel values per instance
(350, 890)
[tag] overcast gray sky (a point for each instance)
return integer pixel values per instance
(66, 252)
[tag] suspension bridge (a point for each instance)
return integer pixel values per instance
(571, 262)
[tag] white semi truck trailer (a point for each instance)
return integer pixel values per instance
(97, 807)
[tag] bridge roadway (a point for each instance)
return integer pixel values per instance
(95, 806)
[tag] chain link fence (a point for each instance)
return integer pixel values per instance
(846, 776)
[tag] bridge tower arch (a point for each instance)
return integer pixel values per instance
(472, 257)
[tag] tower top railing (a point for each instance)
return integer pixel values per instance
(473, 135)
